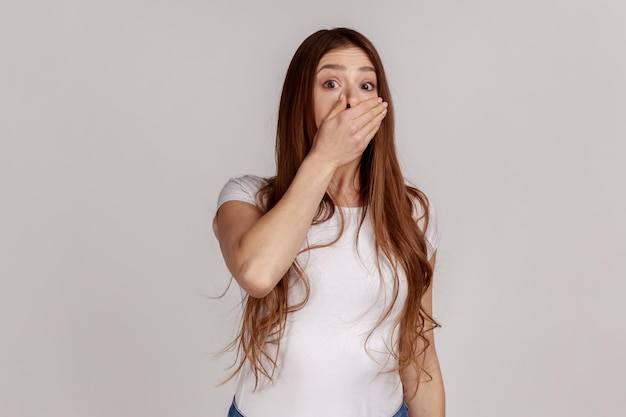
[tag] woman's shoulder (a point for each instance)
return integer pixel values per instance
(244, 188)
(248, 182)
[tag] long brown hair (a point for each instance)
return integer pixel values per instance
(389, 202)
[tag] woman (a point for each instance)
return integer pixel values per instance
(335, 253)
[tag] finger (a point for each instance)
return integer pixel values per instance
(370, 129)
(371, 114)
(364, 107)
(339, 106)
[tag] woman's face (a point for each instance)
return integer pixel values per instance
(344, 70)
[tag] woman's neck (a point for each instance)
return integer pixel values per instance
(345, 187)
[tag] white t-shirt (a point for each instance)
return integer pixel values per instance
(327, 366)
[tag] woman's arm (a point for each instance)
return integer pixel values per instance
(429, 401)
(259, 249)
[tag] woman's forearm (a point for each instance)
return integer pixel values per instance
(264, 252)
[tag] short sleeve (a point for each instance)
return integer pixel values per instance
(241, 189)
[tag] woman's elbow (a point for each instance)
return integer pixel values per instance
(256, 282)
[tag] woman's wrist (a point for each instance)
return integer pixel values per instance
(323, 170)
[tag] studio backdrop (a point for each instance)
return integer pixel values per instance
(121, 120)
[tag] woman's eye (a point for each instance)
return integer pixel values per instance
(330, 84)
(368, 86)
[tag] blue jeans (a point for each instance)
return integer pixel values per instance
(234, 411)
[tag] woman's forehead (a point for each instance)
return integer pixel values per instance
(348, 56)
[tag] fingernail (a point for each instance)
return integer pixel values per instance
(380, 99)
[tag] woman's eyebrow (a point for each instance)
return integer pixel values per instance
(343, 68)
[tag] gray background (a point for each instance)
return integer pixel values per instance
(121, 120)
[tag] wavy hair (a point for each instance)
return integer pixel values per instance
(388, 201)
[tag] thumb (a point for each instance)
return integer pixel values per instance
(339, 107)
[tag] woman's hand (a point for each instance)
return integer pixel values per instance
(345, 133)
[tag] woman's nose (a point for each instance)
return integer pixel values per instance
(351, 96)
